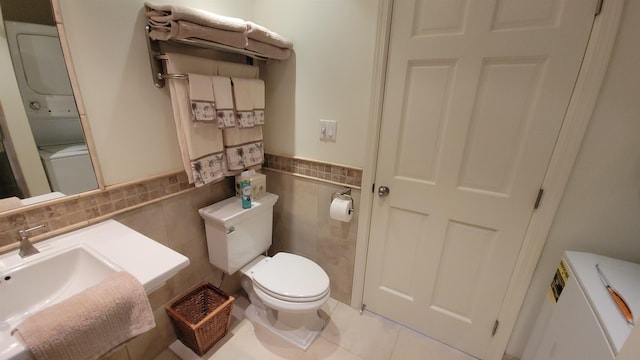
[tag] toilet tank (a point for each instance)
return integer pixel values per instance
(235, 236)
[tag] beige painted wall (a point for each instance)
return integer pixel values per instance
(600, 209)
(328, 77)
(130, 119)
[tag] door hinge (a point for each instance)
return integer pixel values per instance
(538, 199)
(495, 328)
(599, 7)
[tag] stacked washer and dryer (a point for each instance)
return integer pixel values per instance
(581, 319)
(50, 106)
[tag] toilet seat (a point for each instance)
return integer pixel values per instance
(290, 278)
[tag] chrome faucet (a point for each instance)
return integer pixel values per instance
(26, 248)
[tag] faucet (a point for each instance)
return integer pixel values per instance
(26, 248)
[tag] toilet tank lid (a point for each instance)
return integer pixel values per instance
(230, 211)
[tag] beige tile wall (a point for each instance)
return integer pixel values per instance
(64, 214)
(175, 223)
(302, 226)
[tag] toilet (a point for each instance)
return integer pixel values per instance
(286, 290)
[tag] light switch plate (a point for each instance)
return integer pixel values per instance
(328, 129)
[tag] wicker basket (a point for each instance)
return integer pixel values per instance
(201, 317)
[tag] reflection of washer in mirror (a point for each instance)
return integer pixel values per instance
(50, 107)
(68, 168)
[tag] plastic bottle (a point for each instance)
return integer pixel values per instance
(245, 188)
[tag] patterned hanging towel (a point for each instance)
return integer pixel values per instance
(243, 94)
(224, 111)
(243, 148)
(203, 103)
(207, 168)
(244, 156)
(258, 102)
(201, 143)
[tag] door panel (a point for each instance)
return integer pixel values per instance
(475, 96)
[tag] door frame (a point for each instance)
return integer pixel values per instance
(565, 152)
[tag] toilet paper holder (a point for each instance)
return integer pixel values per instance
(346, 195)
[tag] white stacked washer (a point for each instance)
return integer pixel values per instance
(68, 167)
(579, 320)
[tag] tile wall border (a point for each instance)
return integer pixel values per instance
(336, 174)
(76, 211)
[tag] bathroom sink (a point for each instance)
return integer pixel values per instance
(34, 285)
(70, 263)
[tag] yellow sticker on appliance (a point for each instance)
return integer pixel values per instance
(558, 282)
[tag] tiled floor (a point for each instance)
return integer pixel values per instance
(347, 336)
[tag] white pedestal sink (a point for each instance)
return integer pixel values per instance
(70, 263)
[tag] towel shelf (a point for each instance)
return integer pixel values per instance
(155, 55)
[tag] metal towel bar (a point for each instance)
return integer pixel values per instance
(155, 55)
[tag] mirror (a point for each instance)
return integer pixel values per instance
(43, 149)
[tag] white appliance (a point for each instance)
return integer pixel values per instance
(68, 168)
(579, 319)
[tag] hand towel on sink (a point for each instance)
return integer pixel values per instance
(89, 324)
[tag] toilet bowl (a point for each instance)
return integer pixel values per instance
(286, 291)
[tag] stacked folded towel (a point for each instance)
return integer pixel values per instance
(91, 323)
(180, 22)
(267, 42)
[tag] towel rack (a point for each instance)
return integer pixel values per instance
(153, 47)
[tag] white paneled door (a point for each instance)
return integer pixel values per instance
(475, 96)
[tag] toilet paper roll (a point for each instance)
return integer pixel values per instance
(341, 209)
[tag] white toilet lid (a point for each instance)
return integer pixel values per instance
(291, 277)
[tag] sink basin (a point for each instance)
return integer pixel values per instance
(72, 262)
(27, 288)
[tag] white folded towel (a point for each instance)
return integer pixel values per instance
(262, 34)
(163, 14)
(89, 324)
(268, 50)
(203, 104)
